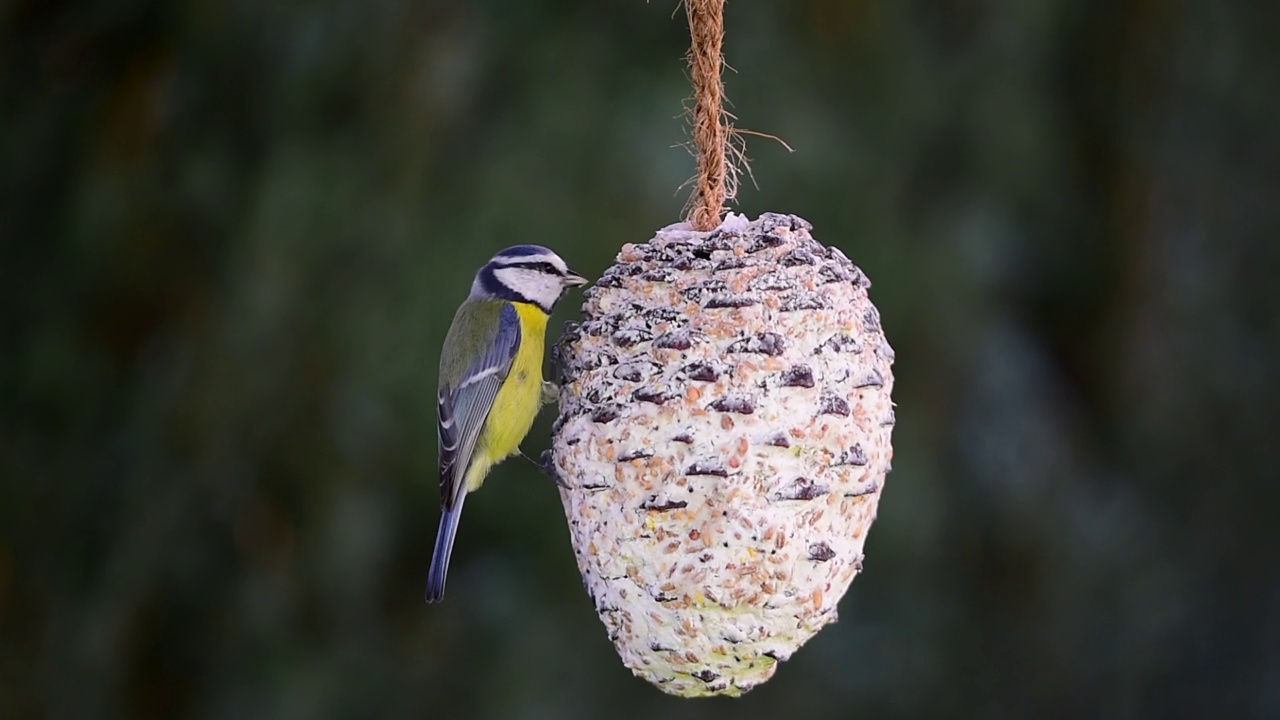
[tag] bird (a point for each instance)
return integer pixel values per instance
(490, 383)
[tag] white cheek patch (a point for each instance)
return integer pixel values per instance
(538, 287)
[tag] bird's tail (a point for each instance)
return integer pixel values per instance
(444, 548)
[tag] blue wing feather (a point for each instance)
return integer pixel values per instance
(446, 433)
(462, 410)
(461, 413)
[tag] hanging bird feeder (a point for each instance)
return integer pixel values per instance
(724, 429)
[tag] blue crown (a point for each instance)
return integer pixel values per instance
(523, 251)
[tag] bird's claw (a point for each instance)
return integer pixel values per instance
(548, 466)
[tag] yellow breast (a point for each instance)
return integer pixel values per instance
(518, 400)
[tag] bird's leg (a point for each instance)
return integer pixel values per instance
(550, 392)
(547, 467)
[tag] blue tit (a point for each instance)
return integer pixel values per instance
(491, 385)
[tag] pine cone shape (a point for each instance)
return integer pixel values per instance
(724, 435)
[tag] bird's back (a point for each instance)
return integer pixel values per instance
(463, 344)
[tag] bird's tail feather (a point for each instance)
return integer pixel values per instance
(444, 548)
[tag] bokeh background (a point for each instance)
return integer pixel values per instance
(234, 234)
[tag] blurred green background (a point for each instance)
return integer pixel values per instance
(234, 234)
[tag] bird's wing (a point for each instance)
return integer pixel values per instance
(461, 410)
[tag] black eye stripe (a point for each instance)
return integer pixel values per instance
(545, 267)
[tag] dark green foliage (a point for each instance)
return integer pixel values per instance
(233, 233)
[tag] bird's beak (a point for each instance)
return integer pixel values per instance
(573, 279)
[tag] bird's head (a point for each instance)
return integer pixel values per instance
(526, 273)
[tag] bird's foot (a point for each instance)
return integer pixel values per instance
(548, 467)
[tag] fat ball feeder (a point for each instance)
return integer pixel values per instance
(724, 427)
